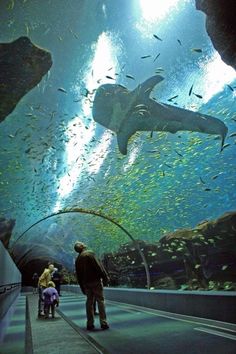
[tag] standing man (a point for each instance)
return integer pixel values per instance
(91, 277)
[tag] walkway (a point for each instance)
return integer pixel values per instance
(133, 329)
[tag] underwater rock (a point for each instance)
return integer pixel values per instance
(221, 27)
(22, 66)
(182, 233)
(6, 227)
(165, 282)
(191, 258)
(224, 226)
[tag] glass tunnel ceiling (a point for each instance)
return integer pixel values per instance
(55, 156)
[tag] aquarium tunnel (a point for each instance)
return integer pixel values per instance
(118, 130)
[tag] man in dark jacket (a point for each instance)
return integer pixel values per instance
(91, 277)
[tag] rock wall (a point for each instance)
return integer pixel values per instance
(221, 27)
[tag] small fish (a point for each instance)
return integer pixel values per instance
(232, 134)
(230, 87)
(203, 182)
(11, 136)
(225, 146)
(214, 177)
(27, 150)
(179, 42)
(145, 56)
(190, 91)
(195, 94)
(130, 77)
(197, 50)
(172, 98)
(47, 31)
(207, 189)
(27, 29)
(155, 36)
(151, 135)
(157, 56)
(62, 89)
(167, 165)
(109, 77)
(178, 153)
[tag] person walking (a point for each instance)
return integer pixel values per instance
(44, 279)
(35, 279)
(91, 277)
(51, 299)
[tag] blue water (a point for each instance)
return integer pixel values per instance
(59, 157)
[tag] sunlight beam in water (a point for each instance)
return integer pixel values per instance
(154, 10)
(79, 158)
(216, 75)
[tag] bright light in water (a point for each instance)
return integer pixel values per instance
(153, 10)
(132, 157)
(215, 75)
(100, 153)
(79, 137)
(78, 153)
(104, 63)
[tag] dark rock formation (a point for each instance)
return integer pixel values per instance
(221, 27)
(224, 227)
(200, 258)
(22, 66)
(6, 227)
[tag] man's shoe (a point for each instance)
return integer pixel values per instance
(90, 328)
(104, 326)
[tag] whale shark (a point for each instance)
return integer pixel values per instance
(125, 112)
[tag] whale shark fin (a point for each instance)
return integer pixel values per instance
(147, 86)
(123, 136)
(122, 141)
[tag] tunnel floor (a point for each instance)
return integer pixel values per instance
(133, 329)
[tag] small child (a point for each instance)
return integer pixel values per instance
(51, 299)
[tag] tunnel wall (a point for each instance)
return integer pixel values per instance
(10, 285)
(212, 305)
